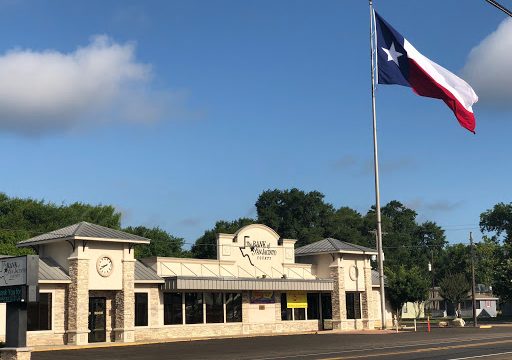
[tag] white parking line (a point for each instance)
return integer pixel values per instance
(482, 356)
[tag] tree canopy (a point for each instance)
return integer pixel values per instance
(162, 243)
(405, 285)
(21, 219)
(455, 288)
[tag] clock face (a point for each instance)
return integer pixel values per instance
(104, 266)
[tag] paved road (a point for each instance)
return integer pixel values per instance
(440, 344)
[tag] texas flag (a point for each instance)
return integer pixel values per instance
(400, 63)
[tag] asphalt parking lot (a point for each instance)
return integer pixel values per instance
(466, 343)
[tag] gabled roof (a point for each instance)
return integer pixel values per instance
(84, 231)
(329, 246)
(144, 274)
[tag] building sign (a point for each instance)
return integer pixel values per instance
(258, 250)
(11, 294)
(262, 297)
(296, 300)
(13, 271)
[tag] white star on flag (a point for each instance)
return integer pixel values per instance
(392, 53)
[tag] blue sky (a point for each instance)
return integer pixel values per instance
(180, 113)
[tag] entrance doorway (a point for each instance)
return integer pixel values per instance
(97, 319)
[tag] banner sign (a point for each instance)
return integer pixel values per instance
(296, 300)
(9, 294)
(262, 297)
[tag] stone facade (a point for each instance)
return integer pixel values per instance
(78, 301)
(15, 354)
(226, 329)
(125, 305)
(367, 300)
(339, 309)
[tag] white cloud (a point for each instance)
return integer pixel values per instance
(488, 68)
(49, 90)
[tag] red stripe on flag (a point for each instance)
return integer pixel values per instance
(424, 85)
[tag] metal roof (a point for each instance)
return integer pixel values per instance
(144, 274)
(225, 283)
(49, 270)
(84, 230)
(329, 245)
(375, 279)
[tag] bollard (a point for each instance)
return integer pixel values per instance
(415, 329)
(428, 323)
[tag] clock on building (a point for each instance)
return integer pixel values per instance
(104, 265)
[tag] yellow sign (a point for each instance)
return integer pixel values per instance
(296, 300)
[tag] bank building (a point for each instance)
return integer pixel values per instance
(92, 289)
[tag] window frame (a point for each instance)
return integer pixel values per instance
(51, 297)
(173, 306)
(147, 309)
(356, 310)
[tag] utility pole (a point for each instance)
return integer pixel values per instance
(473, 285)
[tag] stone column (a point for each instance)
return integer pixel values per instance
(125, 304)
(78, 302)
(367, 299)
(15, 353)
(277, 299)
(339, 308)
(246, 303)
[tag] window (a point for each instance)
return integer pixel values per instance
(326, 306)
(353, 305)
(478, 304)
(39, 315)
(286, 314)
(313, 306)
(193, 308)
(233, 307)
(299, 314)
(404, 309)
(141, 309)
(214, 307)
(173, 313)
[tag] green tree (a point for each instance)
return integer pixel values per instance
(295, 214)
(21, 219)
(455, 259)
(405, 285)
(348, 225)
(162, 243)
(487, 255)
(455, 288)
(498, 220)
(206, 246)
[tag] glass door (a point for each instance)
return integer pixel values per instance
(97, 319)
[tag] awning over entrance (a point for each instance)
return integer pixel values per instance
(223, 283)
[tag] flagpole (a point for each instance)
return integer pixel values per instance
(380, 255)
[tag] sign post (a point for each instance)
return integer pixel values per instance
(18, 287)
